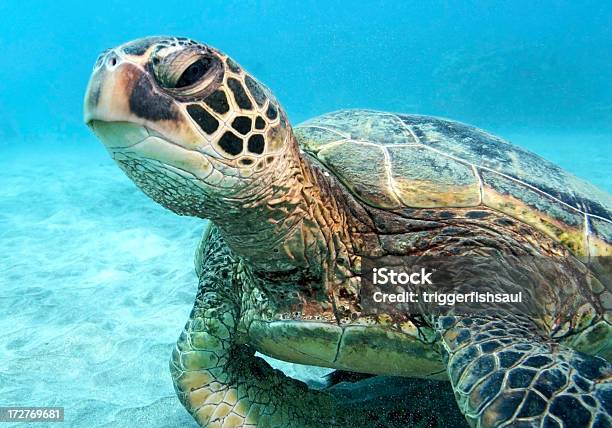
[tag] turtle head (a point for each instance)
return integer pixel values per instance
(186, 123)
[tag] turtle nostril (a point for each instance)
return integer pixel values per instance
(112, 59)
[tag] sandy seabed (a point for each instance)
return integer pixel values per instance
(96, 284)
(97, 281)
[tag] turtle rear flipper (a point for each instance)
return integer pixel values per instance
(504, 373)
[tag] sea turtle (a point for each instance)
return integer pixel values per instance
(294, 213)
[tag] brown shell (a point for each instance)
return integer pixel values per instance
(396, 161)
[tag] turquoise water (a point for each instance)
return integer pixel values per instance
(96, 280)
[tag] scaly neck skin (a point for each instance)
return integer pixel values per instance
(288, 220)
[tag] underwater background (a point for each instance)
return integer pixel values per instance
(97, 281)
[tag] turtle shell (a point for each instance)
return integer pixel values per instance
(395, 161)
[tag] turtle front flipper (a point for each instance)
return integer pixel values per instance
(223, 384)
(505, 373)
(219, 379)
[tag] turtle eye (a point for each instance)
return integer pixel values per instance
(186, 72)
(193, 73)
(181, 69)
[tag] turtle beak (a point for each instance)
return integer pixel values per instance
(122, 94)
(101, 87)
(106, 98)
(105, 108)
